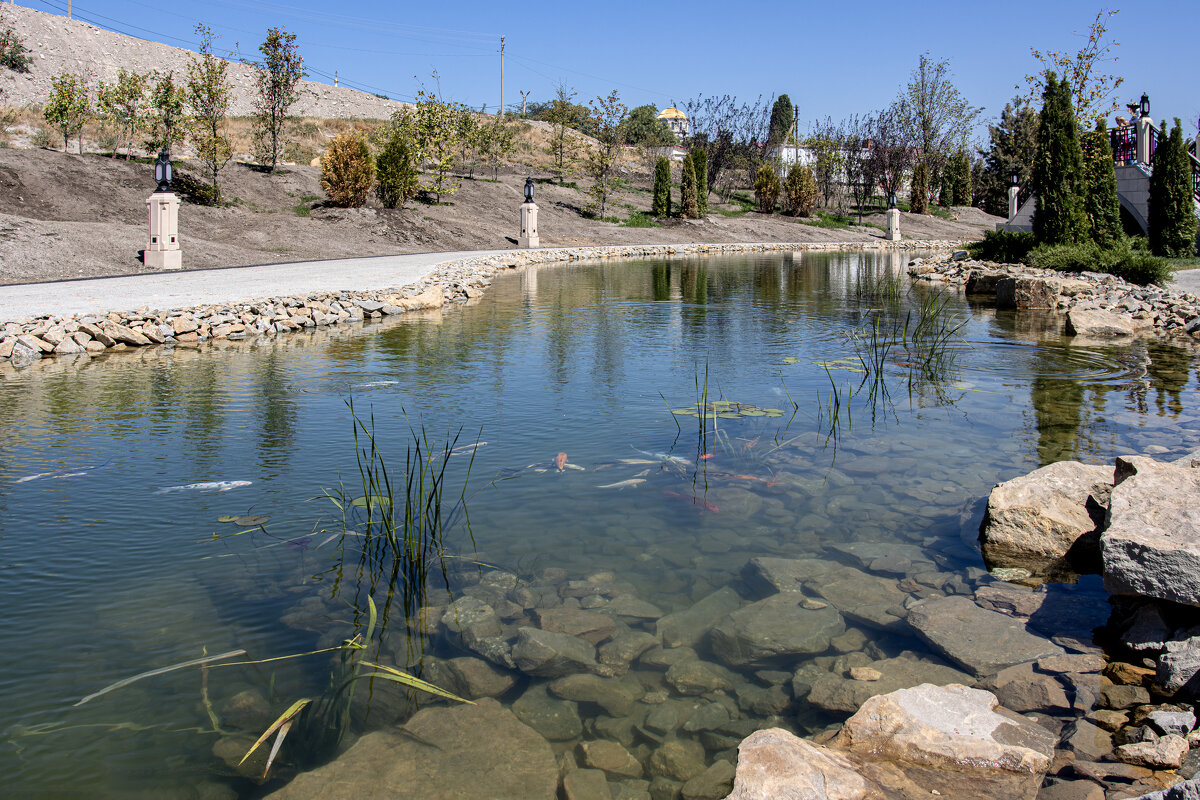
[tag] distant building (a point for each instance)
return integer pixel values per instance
(676, 120)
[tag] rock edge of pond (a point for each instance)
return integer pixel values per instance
(31, 341)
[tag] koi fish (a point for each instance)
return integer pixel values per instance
(698, 501)
(209, 486)
(72, 472)
(467, 448)
(670, 459)
(560, 461)
(706, 456)
(623, 484)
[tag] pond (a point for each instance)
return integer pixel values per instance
(626, 438)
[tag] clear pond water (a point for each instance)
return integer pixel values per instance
(110, 569)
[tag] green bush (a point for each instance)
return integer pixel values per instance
(1122, 260)
(661, 207)
(1003, 247)
(800, 191)
(397, 178)
(1172, 219)
(13, 53)
(689, 197)
(347, 171)
(766, 189)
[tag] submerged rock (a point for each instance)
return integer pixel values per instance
(442, 753)
(548, 654)
(984, 642)
(687, 627)
(835, 693)
(778, 627)
(776, 764)
(869, 599)
(557, 720)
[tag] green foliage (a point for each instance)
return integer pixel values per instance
(68, 107)
(165, 121)
(800, 191)
(122, 104)
(1100, 203)
(937, 119)
(1094, 91)
(831, 221)
(1012, 149)
(661, 206)
(439, 127)
(639, 219)
(642, 127)
(782, 116)
(495, 141)
(1122, 260)
(1058, 170)
(958, 177)
(397, 177)
(347, 170)
(766, 189)
(1172, 220)
(689, 203)
(563, 115)
(700, 164)
(826, 142)
(607, 114)
(276, 80)
(13, 53)
(1003, 247)
(918, 200)
(209, 93)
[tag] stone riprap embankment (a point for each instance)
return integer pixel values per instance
(28, 341)
(1097, 306)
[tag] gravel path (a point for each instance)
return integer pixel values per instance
(1187, 280)
(186, 288)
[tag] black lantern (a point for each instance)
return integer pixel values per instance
(892, 200)
(1016, 178)
(529, 190)
(162, 171)
(1145, 109)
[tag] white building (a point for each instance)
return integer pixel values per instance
(676, 120)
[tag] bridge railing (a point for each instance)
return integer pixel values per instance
(1124, 149)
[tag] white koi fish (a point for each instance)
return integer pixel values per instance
(623, 484)
(209, 486)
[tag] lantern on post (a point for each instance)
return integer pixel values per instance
(163, 172)
(1144, 109)
(529, 210)
(163, 251)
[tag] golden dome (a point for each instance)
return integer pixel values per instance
(671, 113)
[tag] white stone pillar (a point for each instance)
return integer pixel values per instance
(529, 228)
(1143, 139)
(893, 224)
(1014, 193)
(163, 250)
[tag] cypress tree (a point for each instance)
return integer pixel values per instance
(1058, 169)
(662, 188)
(781, 120)
(1172, 206)
(1100, 202)
(689, 207)
(700, 164)
(918, 196)
(961, 179)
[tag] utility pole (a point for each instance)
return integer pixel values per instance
(796, 124)
(501, 76)
(524, 95)
(68, 9)
(335, 83)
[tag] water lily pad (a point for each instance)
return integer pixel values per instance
(773, 410)
(791, 360)
(373, 502)
(683, 411)
(754, 413)
(251, 520)
(729, 415)
(771, 415)
(227, 518)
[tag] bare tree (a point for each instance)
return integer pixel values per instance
(891, 150)
(826, 140)
(734, 134)
(856, 160)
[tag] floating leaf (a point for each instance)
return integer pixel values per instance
(729, 415)
(754, 413)
(252, 521)
(227, 518)
(773, 410)
(791, 360)
(372, 502)
(683, 411)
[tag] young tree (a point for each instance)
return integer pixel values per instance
(68, 107)
(276, 80)
(938, 119)
(800, 191)
(891, 150)
(766, 189)
(700, 164)
(1058, 169)
(730, 132)
(13, 53)
(209, 93)
(123, 104)
(1012, 149)
(397, 177)
(564, 145)
(856, 161)
(165, 121)
(958, 179)
(347, 170)
(661, 207)
(495, 142)
(780, 127)
(1094, 91)
(643, 127)
(826, 142)
(439, 128)
(1172, 217)
(1100, 203)
(689, 201)
(918, 195)
(607, 114)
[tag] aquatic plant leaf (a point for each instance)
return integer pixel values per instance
(791, 360)
(227, 518)
(683, 411)
(160, 671)
(392, 674)
(729, 415)
(283, 731)
(252, 520)
(772, 410)
(373, 502)
(284, 719)
(753, 413)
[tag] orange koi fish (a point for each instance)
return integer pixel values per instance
(560, 461)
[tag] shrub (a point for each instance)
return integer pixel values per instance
(689, 199)
(13, 54)
(1058, 169)
(397, 179)
(68, 107)
(1100, 203)
(800, 191)
(661, 206)
(1172, 220)
(1121, 260)
(919, 194)
(700, 164)
(766, 189)
(347, 170)
(1003, 247)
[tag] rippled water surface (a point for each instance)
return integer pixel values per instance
(110, 569)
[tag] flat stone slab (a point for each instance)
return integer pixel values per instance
(1151, 547)
(869, 599)
(778, 627)
(984, 642)
(1096, 322)
(836, 693)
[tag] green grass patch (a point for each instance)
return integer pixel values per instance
(640, 219)
(1125, 260)
(832, 221)
(302, 210)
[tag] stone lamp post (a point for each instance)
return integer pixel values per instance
(893, 219)
(163, 250)
(1144, 123)
(1014, 193)
(529, 211)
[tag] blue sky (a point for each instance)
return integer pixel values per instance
(831, 59)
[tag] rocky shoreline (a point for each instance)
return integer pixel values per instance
(1095, 305)
(26, 342)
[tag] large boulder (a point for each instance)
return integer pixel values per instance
(948, 727)
(549, 654)
(865, 598)
(984, 642)
(776, 765)
(834, 692)
(1095, 322)
(1026, 292)
(1037, 518)
(442, 753)
(687, 627)
(1151, 546)
(779, 627)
